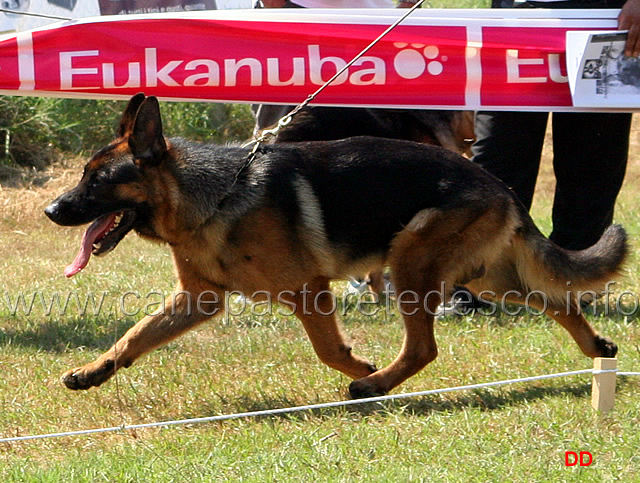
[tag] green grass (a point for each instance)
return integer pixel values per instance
(511, 433)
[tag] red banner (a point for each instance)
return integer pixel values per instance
(432, 60)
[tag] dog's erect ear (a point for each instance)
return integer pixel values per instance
(146, 141)
(129, 115)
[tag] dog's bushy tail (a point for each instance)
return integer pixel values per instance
(544, 266)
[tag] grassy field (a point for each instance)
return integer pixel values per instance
(512, 433)
(516, 433)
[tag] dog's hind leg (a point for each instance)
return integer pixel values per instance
(182, 312)
(569, 316)
(315, 306)
(590, 342)
(566, 312)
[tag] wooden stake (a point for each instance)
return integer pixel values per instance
(603, 386)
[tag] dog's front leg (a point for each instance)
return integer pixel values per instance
(417, 302)
(182, 312)
(315, 308)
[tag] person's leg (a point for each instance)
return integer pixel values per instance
(509, 145)
(590, 157)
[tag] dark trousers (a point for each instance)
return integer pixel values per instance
(589, 160)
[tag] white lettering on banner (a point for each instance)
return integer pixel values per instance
(154, 75)
(273, 73)
(211, 76)
(67, 71)
(378, 72)
(109, 80)
(513, 68)
(315, 68)
(232, 66)
(554, 69)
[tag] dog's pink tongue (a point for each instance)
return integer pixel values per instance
(96, 230)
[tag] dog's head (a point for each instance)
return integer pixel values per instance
(112, 195)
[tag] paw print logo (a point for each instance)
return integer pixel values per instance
(412, 61)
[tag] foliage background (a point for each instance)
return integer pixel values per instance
(38, 131)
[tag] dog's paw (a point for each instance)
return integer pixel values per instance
(362, 388)
(606, 346)
(74, 379)
(87, 376)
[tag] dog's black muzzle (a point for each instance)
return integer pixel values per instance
(57, 213)
(75, 208)
(67, 210)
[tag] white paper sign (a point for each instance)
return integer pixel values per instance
(600, 75)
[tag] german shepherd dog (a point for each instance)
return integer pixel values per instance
(293, 217)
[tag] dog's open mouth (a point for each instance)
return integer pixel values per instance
(101, 237)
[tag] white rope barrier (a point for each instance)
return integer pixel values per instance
(311, 407)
